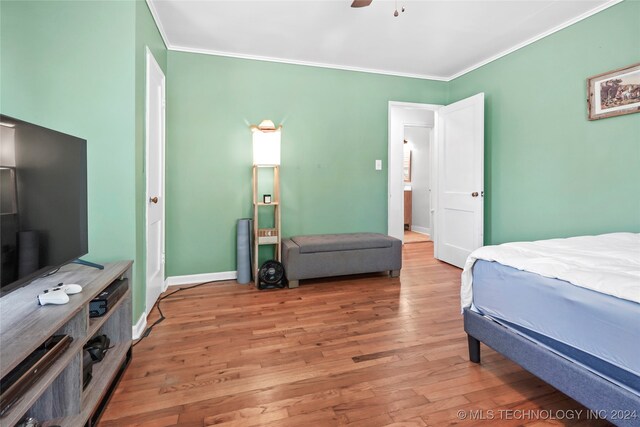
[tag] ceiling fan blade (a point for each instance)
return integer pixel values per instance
(361, 3)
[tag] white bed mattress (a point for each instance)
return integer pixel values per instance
(608, 263)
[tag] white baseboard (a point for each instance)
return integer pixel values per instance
(192, 279)
(138, 329)
(421, 230)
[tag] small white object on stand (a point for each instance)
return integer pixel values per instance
(56, 296)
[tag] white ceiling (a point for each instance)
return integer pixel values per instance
(432, 39)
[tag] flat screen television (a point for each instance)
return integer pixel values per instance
(43, 201)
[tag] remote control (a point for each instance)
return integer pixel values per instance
(56, 296)
(69, 289)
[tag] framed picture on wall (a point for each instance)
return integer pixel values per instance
(614, 93)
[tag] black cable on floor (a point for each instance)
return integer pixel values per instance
(147, 331)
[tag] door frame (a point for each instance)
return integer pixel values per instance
(151, 63)
(395, 181)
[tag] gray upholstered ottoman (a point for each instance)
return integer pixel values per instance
(324, 255)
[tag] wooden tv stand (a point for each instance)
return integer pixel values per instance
(57, 397)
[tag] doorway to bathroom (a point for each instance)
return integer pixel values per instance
(417, 177)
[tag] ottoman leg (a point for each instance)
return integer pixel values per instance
(394, 273)
(294, 283)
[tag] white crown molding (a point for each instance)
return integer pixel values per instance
(305, 63)
(192, 279)
(534, 39)
(414, 105)
(138, 329)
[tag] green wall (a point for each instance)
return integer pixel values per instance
(78, 67)
(549, 171)
(334, 128)
(68, 66)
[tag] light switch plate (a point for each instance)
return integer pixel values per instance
(378, 165)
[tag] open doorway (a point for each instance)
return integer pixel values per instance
(404, 116)
(456, 178)
(417, 170)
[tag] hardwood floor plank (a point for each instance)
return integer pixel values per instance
(245, 418)
(363, 350)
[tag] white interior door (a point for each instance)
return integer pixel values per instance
(155, 131)
(460, 179)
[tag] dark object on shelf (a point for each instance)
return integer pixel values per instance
(271, 275)
(18, 381)
(29, 422)
(101, 304)
(97, 347)
(87, 369)
(266, 199)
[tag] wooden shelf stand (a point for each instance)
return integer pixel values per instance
(58, 397)
(266, 236)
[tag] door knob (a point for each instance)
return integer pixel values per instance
(155, 199)
(474, 194)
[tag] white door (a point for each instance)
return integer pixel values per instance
(460, 179)
(155, 130)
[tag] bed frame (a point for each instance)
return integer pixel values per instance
(596, 393)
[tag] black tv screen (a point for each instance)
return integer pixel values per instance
(43, 201)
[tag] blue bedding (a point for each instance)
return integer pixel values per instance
(598, 331)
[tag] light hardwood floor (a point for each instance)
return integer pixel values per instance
(413, 237)
(363, 351)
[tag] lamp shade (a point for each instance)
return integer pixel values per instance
(266, 143)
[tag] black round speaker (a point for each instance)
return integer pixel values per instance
(271, 275)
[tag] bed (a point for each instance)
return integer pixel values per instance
(568, 311)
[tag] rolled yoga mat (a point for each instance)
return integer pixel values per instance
(244, 251)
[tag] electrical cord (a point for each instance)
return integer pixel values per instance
(147, 331)
(51, 273)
